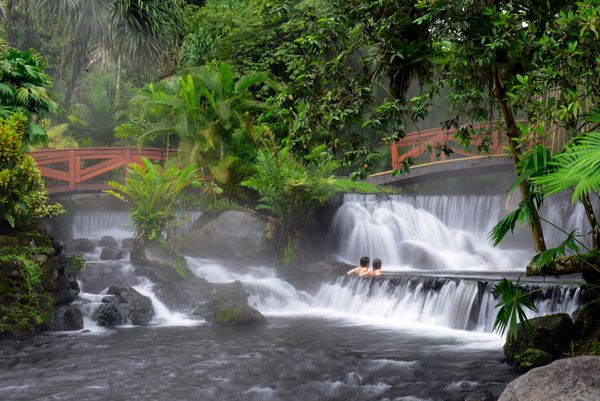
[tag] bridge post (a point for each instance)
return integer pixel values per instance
(72, 175)
(127, 161)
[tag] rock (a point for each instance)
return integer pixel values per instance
(236, 316)
(480, 395)
(68, 318)
(133, 306)
(111, 254)
(227, 306)
(414, 255)
(98, 276)
(128, 243)
(75, 263)
(108, 241)
(232, 234)
(552, 334)
(533, 358)
(588, 317)
(310, 276)
(108, 315)
(82, 245)
(568, 379)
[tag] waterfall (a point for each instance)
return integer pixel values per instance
(453, 303)
(94, 225)
(462, 304)
(448, 233)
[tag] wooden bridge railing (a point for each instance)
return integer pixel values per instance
(74, 169)
(437, 139)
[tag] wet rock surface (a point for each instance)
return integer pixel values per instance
(227, 306)
(567, 379)
(68, 318)
(81, 245)
(549, 335)
(232, 234)
(131, 306)
(108, 241)
(111, 254)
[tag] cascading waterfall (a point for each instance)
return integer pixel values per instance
(447, 233)
(461, 304)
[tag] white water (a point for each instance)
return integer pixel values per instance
(421, 302)
(445, 233)
(95, 225)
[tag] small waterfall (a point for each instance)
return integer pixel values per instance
(95, 225)
(461, 304)
(268, 293)
(163, 316)
(454, 303)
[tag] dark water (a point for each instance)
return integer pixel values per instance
(290, 359)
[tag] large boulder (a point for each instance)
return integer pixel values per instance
(232, 234)
(133, 307)
(227, 306)
(568, 379)
(111, 254)
(108, 241)
(108, 315)
(549, 335)
(81, 245)
(68, 318)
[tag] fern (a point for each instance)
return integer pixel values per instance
(543, 259)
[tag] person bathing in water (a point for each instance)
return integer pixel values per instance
(362, 269)
(376, 268)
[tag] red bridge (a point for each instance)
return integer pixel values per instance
(88, 169)
(446, 156)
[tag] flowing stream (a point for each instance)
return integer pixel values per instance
(421, 332)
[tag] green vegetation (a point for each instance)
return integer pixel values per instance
(24, 305)
(154, 194)
(22, 194)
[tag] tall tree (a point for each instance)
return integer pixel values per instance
(483, 49)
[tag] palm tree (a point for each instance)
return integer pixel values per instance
(136, 29)
(205, 109)
(24, 89)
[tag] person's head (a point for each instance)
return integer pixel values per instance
(376, 264)
(364, 261)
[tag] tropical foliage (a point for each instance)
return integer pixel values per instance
(24, 89)
(155, 194)
(22, 194)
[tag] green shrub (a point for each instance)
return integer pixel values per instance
(155, 194)
(22, 193)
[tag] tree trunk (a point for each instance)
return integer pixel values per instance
(118, 81)
(512, 132)
(79, 58)
(591, 216)
(8, 22)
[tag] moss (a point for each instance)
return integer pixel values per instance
(533, 357)
(24, 305)
(225, 317)
(75, 264)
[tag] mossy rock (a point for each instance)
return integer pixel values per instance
(533, 358)
(552, 334)
(588, 317)
(75, 263)
(236, 316)
(590, 344)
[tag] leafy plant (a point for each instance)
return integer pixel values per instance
(154, 194)
(578, 167)
(23, 197)
(543, 259)
(24, 89)
(512, 304)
